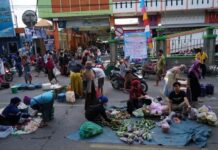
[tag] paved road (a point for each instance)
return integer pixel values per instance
(68, 118)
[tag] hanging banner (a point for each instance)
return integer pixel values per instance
(6, 23)
(135, 45)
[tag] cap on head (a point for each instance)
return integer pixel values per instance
(26, 100)
(15, 100)
(103, 99)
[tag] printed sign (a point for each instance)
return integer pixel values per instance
(6, 23)
(135, 45)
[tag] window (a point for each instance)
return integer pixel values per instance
(156, 2)
(146, 3)
(126, 4)
(131, 4)
(171, 2)
(197, 1)
(121, 5)
(116, 5)
(192, 2)
(181, 2)
(208, 1)
(166, 2)
(176, 2)
(151, 2)
(202, 1)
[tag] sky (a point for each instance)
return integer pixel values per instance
(20, 6)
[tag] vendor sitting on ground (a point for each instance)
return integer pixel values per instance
(178, 101)
(96, 112)
(137, 97)
(11, 115)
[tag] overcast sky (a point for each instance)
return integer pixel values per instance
(20, 6)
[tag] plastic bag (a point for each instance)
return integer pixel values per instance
(89, 129)
(56, 71)
(70, 96)
(138, 113)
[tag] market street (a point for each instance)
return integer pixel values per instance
(68, 118)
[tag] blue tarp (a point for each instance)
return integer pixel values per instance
(179, 135)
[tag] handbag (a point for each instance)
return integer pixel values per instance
(56, 71)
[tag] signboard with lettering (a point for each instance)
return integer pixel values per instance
(6, 23)
(135, 45)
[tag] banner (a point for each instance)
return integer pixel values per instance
(6, 23)
(135, 45)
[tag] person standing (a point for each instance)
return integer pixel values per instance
(18, 65)
(193, 81)
(161, 66)
(2, 71)
(27, 70)
(90, 97)
(50, 66)
(202, 57)
(100, 75)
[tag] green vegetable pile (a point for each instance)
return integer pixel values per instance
(135, 131)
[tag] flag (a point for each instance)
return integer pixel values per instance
(146, 24)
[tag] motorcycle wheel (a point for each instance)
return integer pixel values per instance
(8, 77)
(144, 86)
(115, 83)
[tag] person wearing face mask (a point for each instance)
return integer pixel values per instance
(96, 112)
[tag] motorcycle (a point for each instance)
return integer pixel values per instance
(9, 74)
(117, 81)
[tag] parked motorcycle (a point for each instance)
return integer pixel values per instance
(117, 81)
(9, 74)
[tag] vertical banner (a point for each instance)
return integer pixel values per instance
(6, 23)
(135, 45)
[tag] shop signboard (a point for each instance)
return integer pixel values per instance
(135, 45)
(6, 23)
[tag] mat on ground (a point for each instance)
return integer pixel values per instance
(179, 135)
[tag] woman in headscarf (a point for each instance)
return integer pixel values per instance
(90, 97)
(76, 77)
(137, 97)
(50, 66)
(194, 75)
(171, 76)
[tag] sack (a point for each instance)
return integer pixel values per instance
(70, 96)
(89, 129)
(203, 91)
(56, 71)
(209, 89)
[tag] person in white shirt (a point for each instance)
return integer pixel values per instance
(100, 75)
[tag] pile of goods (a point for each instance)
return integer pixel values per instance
(135, 131)
(29, 127)
(118, 114)
(206, 115)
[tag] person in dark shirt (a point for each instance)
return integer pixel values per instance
(96, 112)
(11, 114)
(177, 100)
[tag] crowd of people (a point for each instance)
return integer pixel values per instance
(83, 72)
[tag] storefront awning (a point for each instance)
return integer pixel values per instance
(88, 24)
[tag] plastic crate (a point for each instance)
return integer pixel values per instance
(5, 131)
